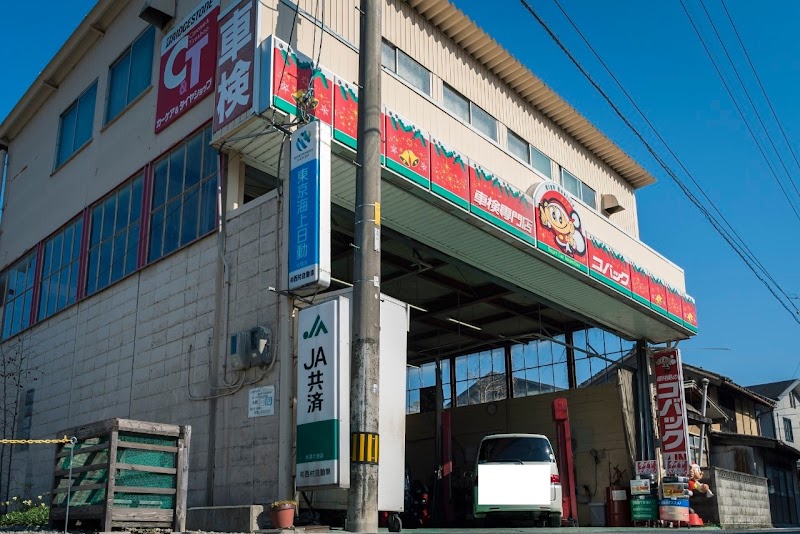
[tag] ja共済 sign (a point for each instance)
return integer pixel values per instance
(236, 63)
(672, 420)
(323, 395)
(187, 63)
(310, 207)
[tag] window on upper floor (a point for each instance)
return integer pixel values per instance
(18, 296)
(75, 126)
(541, 163)
(525, 151)
(184, 205)
(788, 434)
(114, 236)
(793, 399)
(518, 147)
(130, 74)
(407, 68)
(469, 112)
(578, 189)
(60, 264)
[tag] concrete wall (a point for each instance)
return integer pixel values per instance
(740, 500)
(595, 419)
(140, 349)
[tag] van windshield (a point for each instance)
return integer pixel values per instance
(515, 449)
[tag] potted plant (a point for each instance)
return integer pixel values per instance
(281, 514)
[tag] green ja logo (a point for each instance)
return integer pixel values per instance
(316, 328)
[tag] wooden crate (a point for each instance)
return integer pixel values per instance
(125, 474)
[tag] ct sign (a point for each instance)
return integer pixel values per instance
(323, 395)
(310, 208)
(188, 54)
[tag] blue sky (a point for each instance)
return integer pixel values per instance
(654, 52)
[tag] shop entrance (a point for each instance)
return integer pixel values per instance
(502, 357)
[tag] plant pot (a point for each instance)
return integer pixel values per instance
(282, 516)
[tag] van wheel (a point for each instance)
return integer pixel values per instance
(395, 524)
(554, 521)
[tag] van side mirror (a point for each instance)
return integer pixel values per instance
(469, 475)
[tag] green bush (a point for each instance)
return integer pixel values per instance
(26, 518)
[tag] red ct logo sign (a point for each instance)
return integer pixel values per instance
(191, 60)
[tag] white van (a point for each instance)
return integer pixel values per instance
(516, 475)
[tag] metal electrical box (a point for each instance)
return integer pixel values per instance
(252, 347)
(395, 320)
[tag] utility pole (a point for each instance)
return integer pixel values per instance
(362, 506)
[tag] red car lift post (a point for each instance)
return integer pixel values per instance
(569, 502)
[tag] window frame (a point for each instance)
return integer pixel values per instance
(470, 120)
(396, 68)
(75, 104)
(32, 256)
(164, 206)
(581, 186)
(512, 135)
(75, 263)
(86, 254)
(788, 431)
(130, 102)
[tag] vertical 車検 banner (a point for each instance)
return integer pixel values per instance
(310, 207)
(323, 395)
(236, 63)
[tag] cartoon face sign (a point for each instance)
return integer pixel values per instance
(563, 223)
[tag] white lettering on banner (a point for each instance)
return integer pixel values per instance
(605, 268)
(646, 467)
(233, 89)
(185, 103)
(482, 200)
(672, 413)
(235, 34)
(192, 62)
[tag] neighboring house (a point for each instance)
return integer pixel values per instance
(783, 421)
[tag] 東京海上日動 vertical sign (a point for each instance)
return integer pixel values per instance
(236, 63)
(310, 207)
(323, 395)
(187, 63)
(671, 406)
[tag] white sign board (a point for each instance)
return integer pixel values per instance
(262, 402)
(323, 395)
(513, 485)
(310, 207)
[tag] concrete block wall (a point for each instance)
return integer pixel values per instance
(740, 500)
(141, 349)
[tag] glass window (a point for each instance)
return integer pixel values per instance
(588, 195)
(571, 183)
(114, 236)
(455, 102)
(184, 195)
(60, 263)
(75, 128)
(787, 429)
(518, 146)
(516, 449)
(421, 387)
(541, 163)
(131, 74)
(539, 367)
(483, 122)
(389, 56)
(480, 377)
(19, 295)
(413, 72)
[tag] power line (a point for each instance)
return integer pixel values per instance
(661, 162)
(739, 109)
(749, 98)
(730, 230)
(761, 85)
